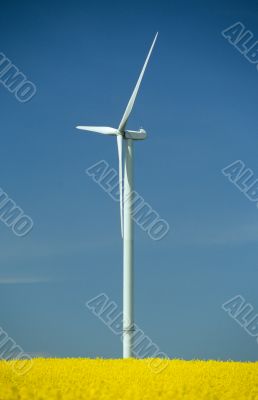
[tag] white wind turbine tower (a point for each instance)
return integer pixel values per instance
(126, 137)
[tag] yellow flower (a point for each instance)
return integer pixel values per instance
(72, 379)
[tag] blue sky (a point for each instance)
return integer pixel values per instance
(198, 103)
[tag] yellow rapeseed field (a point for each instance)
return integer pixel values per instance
(127, 379)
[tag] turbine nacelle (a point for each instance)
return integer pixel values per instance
(136, 135)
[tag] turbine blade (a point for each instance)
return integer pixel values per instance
(120, 169)
(134, 94)
(105, 130)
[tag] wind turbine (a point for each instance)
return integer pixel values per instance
(126, 138)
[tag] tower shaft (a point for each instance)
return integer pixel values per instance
(128, 253)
